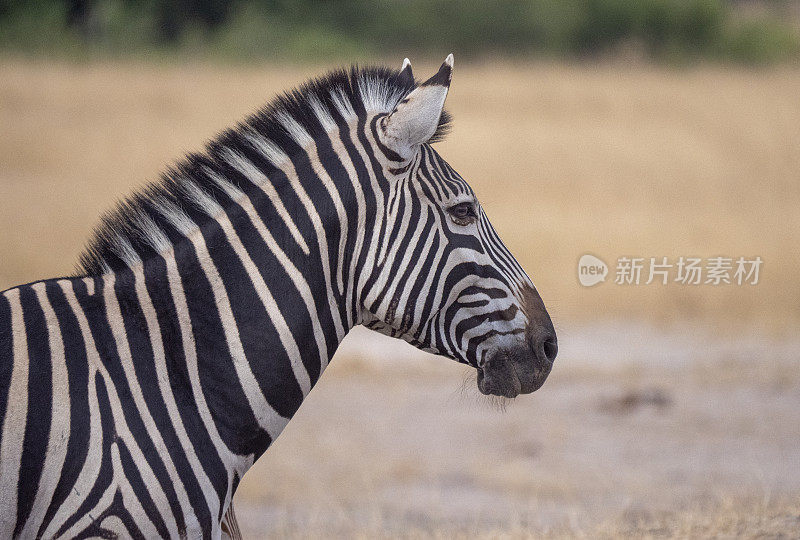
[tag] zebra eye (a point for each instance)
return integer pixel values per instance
(462, 213)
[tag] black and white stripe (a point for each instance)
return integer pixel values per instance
(134, 396)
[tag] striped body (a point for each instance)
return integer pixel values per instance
(136, 395)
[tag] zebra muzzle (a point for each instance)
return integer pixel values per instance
(520, 370)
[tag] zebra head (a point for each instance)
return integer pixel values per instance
(442, 279)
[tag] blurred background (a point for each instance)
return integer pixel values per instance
(657, 128)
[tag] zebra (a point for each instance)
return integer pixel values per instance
(135, 394)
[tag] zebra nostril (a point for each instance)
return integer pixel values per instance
(550, 347)
(545, 347)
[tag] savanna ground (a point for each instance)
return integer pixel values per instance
(672, 410)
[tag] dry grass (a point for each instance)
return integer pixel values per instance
(716, 519)
(566, 159)
(639, 162)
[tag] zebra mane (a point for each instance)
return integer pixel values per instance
(186, 194)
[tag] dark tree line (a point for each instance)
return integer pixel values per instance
(660, 28)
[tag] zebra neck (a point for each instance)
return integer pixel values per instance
(247, 316)
(255, 262)
(258, 330)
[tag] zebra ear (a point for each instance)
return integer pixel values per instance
(416, 117)
(405, 71)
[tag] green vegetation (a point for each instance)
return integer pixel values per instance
(665, 30)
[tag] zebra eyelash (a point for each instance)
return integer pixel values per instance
(463, 213)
